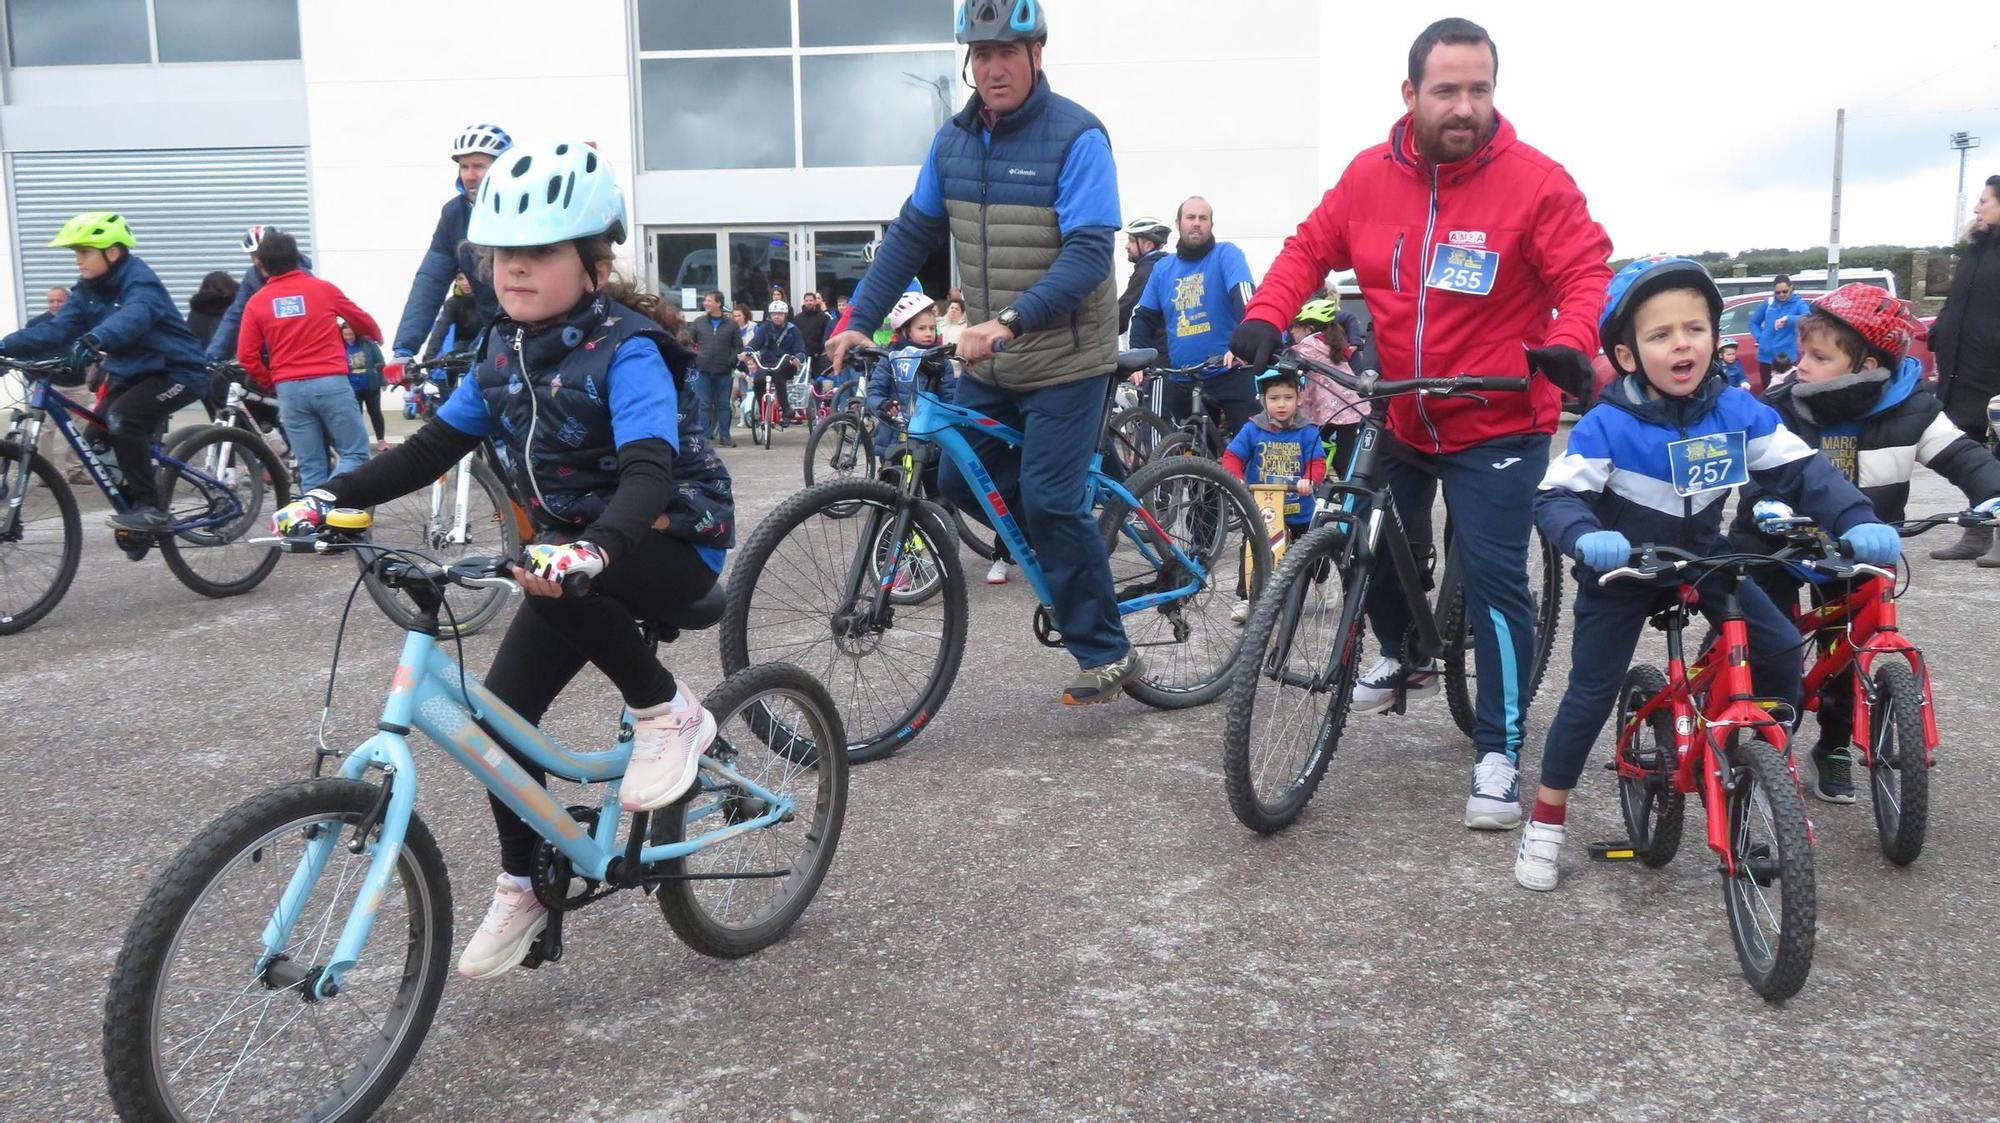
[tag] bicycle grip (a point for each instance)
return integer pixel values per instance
(1505, 383)
(576, 584)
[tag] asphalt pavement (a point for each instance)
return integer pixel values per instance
(1036, 912)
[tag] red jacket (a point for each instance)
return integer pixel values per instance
(292, 320)
(1507, 220)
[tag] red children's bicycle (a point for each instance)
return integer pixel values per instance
(1701, 730)
(1895, 733)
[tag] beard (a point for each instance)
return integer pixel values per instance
(1194, 245)
(1439, 147)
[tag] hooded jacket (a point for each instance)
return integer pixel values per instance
(135, 323)
(1617, 474)
(1880, 450)
(1461, 265)
(1966, 336)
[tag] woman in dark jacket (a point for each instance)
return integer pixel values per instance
(209, 302)
(1966, 340)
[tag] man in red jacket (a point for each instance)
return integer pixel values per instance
(291, 338)
(1464, 241)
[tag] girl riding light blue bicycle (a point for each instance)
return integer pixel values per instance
(574, 390)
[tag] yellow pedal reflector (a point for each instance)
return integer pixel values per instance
(1620, 851)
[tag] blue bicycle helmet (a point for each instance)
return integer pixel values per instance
(1631, 286)
(547, 192)
(1003, 21)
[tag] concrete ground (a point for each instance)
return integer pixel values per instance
(1036, 912)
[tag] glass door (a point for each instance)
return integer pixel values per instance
(836, 256)
(742, 264)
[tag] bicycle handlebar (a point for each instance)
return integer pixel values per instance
(36, 367)
(474, 572)
(1215, 363)
(1371, 385)
(1649, 562)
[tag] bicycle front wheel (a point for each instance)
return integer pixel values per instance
(232, 484)
(1770, 898)
(41, 542)
(1899, 780)
(429, 521)
(779, 730)
(839, 449)
(1545, 588)
(801, 590)
(1289, 699)
(1188, 641)
(201, 1024)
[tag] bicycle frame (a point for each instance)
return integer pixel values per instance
(1867, 617)
(1721, 681)
(433, 695)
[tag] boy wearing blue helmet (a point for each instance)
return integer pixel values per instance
(577, 392)
(1616, 486)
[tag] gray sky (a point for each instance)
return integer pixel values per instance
(1700, 125)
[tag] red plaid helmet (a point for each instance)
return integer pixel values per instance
(1879, 318)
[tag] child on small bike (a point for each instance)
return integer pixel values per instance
(893, 384)
(120, 315)
(1859, 399)
(574, 391)
(1278, 445)
(1652, 462)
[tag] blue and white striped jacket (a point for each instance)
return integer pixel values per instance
(1615, 473)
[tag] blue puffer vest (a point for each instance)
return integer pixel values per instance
(557, 441)
(1001, 201)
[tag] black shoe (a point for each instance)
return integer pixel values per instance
(727, 442)
(1835, 782)
(141, 520)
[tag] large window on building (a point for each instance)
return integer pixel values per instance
(101, 32)
(793, 83)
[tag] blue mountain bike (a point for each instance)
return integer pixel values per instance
(217, 485)
(859, 580)
(288, 962)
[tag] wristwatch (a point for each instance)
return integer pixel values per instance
(1010, 318)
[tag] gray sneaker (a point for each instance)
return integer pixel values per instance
(142, 520)
(1101, 684)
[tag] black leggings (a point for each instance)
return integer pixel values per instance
(371, 400)
(132, 412)
(551, 639)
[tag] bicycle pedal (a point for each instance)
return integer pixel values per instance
(548, 947)
(1619, 851)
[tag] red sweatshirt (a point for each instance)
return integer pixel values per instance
(1462, 266)
(293, 319)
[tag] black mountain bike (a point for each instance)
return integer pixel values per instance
(1288, 702)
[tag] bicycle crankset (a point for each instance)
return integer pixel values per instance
(135, 544)
(552, 876)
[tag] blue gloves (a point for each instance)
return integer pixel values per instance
(1990, 507)
(1603, 550)
(1874, 544)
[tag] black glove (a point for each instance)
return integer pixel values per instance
(82, 354)
(1256, 343)
(1567, 367)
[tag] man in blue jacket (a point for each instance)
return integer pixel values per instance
(222, 345)
(1022, 184)
(1774, 324)
(474, 151)
(1192, 302)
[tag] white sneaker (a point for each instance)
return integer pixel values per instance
(1376, 690)
(997, 575)
(1495, 802)
(1535, 859)
(512, 922)
(667, 747)
(1240, 612)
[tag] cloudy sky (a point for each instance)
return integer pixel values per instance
(1700, 125)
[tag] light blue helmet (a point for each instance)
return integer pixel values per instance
(546, 192)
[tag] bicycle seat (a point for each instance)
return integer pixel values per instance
(1137, 359)
(701, 613)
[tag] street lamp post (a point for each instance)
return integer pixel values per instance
(1964, 142)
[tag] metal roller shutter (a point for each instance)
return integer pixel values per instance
(187, 208)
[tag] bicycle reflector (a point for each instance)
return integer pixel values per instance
(347, 518)
(1620, 851)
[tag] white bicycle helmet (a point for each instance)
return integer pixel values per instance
(907, 307)
(547, 192)
(778, 306)
(254, 236)
(481, 140)
(868, 249)
(1151, 229)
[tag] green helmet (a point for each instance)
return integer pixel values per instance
(1318, 312)
(95, 230)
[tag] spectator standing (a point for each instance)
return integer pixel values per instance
(209, 303)
(364, 376)
(295, 319)
(1774, 324)
(813, 324)
(717, 342)
(1192, 302)
(458, 323)
(953, 323)
(54, 301)
(1966, 340)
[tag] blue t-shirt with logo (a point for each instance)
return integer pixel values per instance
(1193, 300)
(1279, 456)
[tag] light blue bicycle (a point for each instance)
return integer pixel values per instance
(288, 962)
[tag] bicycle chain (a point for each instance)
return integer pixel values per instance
(551, 875)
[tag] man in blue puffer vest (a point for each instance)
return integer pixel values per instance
(1021, 182)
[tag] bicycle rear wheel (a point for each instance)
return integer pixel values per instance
(245, 485)
(1289, 698)
(799, 593)
(1131, 438)
(427, 521)
(1654, 811)
(1770, 898)
(977, 536)
(197, 1026)
(1189, 642)
(839, 449)
(777, 727)
(1545, 588)
(39, 552)
(1899, 781)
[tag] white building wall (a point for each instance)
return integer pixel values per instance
(389, 83)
